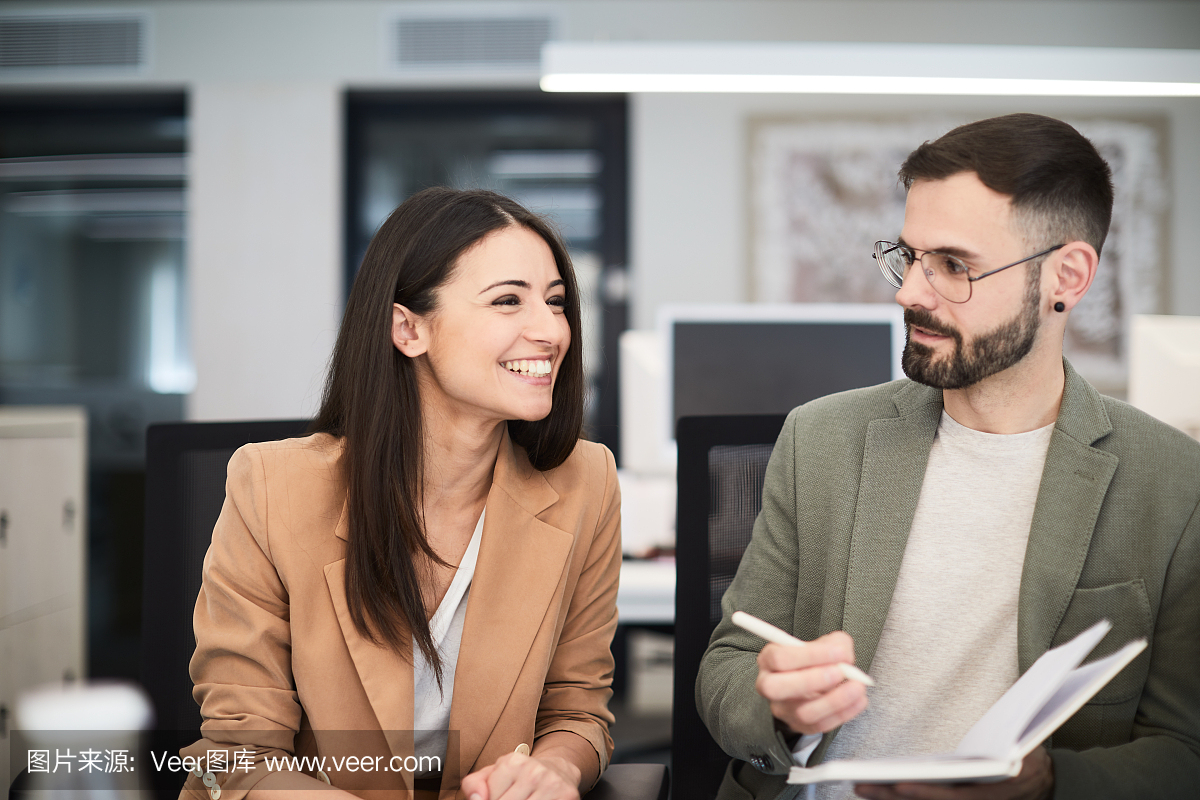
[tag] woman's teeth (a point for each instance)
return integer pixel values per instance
(523, 367)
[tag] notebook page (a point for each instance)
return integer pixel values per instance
(1081, 685)
(998, 731)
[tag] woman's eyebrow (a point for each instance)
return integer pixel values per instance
(523, 284)
(518, 283)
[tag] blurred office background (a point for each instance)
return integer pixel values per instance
(187, 186)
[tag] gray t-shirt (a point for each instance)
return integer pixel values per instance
(948, 649)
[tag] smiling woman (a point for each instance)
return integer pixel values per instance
(435, 568)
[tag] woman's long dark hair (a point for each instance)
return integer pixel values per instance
(371, 401)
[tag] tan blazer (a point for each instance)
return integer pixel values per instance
(277, 654)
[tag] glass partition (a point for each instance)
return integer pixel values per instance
(93, 309)
(92, 280)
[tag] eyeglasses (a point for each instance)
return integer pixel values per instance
(946, 274)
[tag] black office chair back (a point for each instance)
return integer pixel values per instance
(185, 487)
(722, 464)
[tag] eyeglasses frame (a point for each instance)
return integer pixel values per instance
(888, 274)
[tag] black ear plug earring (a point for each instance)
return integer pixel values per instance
(1059, 306)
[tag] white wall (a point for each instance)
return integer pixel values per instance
(265, 80)
(264, 256)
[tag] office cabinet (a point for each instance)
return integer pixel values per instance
(43, 546)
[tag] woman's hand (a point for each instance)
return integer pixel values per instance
(520, 777)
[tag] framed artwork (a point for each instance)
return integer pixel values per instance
(823, 192)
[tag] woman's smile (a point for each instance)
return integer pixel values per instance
(535, 371)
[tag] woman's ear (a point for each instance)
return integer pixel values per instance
(409, 334)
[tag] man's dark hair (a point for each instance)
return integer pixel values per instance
(1060, 188)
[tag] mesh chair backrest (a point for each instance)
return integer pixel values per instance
(735, 477)
(722, 464)
(185, 488)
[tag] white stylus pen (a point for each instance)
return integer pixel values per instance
(766, 630)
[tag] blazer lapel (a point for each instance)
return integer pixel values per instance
(1074, 483)
(521, 561)
(894, 460)
(386, 676)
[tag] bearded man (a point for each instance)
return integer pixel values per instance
(943, 532)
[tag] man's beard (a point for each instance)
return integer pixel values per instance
(990, 353)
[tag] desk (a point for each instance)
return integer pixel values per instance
(647, 592)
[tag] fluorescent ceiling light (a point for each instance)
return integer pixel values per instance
(833, 68)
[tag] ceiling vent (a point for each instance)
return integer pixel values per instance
(497, 41)
(72, 41)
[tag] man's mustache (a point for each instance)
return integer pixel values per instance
(920, 318)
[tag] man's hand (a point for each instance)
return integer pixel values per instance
(806, 689)
(1035, 782)
(519, 777)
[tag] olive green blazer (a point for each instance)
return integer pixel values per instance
(1115, 533)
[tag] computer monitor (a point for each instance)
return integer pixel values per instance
(1164, 369)
(747, 359)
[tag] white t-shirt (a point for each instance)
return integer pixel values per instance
(948, 649)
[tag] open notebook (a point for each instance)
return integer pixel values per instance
(1046, 696)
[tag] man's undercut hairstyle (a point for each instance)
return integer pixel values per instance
(1060, 188)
